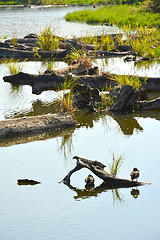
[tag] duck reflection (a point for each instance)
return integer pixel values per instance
(135, 193)
(91, 191)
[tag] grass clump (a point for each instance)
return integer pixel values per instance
(47, 41)
(133, 81)
(13, 65)
(80, 57)
(116, 164)
(143, 40)
(116, 14)
(67, 99)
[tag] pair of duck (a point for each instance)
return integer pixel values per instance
(134, 175)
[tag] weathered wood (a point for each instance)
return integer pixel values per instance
(39, 83)
(22, 54)
(150, 105)
(98, 169)
(36, 124)
(54, 81)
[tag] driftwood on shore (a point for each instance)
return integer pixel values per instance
(35, 124)
(98, 169)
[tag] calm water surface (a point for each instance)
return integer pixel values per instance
(51, 210)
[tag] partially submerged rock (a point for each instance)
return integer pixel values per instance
(27, 182)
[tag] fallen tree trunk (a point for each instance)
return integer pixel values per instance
(36, 124)
(22, 54)
(54, 81)
(98, 169)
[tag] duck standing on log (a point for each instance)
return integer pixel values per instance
(134, 174)
(89, 181)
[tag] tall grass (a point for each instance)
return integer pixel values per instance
(144, 41)
(133, 81)
(47, 41)
(14, 66)
(116, 14)
(116, 164)
(80, 57)
(67, 99)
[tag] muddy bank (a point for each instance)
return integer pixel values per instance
(36, 124)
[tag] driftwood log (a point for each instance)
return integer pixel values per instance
(35, 124)
(22, 54)
(98, 169)
(54, 81)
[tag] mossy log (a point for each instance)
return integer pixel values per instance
(35, 124)
(98, 169)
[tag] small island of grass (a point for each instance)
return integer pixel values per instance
(120, 14)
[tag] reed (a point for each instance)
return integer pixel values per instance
(47, 41)
(67, 99)
(144, 41)
(133, 81)
(80, 57)
(116, 164)
(14, 66)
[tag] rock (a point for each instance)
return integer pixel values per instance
(27, 182)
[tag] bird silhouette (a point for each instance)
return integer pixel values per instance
(134, 174)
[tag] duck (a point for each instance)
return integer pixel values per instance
(89, 180)
(135, 174)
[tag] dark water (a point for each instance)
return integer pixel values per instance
(51, 210)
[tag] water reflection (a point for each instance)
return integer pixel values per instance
(6, 142)
(91, 191)
(127, 123)
(66, 145)
(135, 193)
(117, 196)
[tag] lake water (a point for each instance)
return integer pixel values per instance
(51, 210)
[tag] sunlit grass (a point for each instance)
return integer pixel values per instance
(116, 164)
(47, 41)
(66, 99)
(116, 14)
(144, 41)
(133, 81)
(14, 66)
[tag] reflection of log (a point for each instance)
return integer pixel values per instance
(35, 124)
(98, 169)
(127, 122)
(6, 142)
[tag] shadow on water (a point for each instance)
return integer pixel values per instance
(91, 191)
(127, 123)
